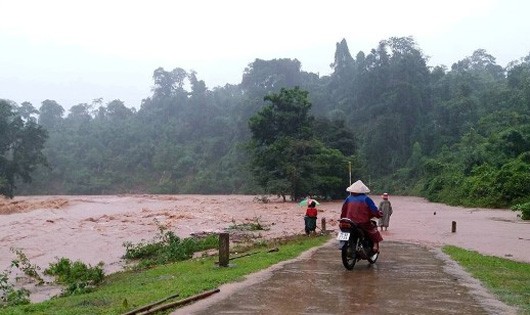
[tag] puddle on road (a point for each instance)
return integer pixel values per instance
(407, 279)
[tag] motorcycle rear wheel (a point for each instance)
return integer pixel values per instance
(372, 257)
(349, 257)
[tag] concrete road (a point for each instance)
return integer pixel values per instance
(407, 279)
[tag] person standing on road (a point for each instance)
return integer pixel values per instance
(360, 208)
(386, 207)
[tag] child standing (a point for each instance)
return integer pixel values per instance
(310, 218)
(386, 207)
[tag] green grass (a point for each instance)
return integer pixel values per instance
(507, 279)
(128, 290)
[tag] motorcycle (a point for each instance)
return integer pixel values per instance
(354, 244)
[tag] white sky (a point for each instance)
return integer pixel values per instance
(77, 51)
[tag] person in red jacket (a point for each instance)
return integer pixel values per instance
(310, 218)
(360, 208)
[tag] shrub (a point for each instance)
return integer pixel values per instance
(524, 208)
(77, 276)
(9, 296)
(166, 248)
(22, 262)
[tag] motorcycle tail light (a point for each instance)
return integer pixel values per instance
(344, 225)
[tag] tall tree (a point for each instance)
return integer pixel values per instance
(21, 144)
(168, 82)
(287, 157)
(27, 111)
(280, 134)
(341, 85)
(51, 114)
(271, 75)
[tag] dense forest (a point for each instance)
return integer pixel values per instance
(459, 135)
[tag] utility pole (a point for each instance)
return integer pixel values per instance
(349, 170)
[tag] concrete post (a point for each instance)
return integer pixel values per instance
(224, 249)
(323, 225)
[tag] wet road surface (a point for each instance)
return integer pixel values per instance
(407, 279)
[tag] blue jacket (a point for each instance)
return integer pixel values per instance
(359, 208)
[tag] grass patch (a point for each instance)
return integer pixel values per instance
(128, 290)
(508, 280)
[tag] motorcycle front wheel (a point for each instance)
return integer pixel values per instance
(372, 259)
(349, 257)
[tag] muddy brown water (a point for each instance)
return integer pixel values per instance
(95, 228)
(407, 279)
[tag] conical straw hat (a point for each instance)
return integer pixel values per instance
(358, 187)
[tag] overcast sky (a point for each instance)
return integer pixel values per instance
(76, 51)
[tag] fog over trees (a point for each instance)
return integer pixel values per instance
(459, 135)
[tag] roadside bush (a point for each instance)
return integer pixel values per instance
(77, 276)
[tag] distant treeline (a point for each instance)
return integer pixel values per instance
(459, 135)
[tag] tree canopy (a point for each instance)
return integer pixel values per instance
(288, 159)
(21, 145)
(458, 134)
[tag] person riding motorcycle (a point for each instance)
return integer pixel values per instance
(360, 208)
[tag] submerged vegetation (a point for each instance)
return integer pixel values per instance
(254, 225)
(167, 248)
